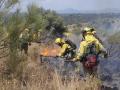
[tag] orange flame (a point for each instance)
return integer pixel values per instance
(50, 51)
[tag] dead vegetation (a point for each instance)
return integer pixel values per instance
(41, 78)
(31, 75)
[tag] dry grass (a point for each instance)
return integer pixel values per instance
(44, 78)
(36, 76)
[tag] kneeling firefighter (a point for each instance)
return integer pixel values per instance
(67, 48)
(90, 48)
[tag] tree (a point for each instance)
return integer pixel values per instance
(16, 23)
(55, 21)
(5, 6)
(45, 21)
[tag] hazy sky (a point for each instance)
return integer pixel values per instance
(75, 4)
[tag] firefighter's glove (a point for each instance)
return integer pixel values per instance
(74, 59)
(59, 56)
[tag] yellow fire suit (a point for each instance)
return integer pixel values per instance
(64, 48)
(89, 38)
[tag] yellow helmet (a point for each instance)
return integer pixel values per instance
(89, 30)
(59, 40)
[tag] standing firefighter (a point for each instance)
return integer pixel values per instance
(67, 48)
(24, 41)
(90, 48)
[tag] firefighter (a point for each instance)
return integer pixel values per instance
(89, 39)
(67, 48)
(24, 41)
(93, 31)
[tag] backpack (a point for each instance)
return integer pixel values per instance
(73, 46)
(91, 61)
(91, 56)
(91, 49)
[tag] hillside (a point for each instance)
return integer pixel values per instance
(107, 22)
(51, 74)
(35, 56)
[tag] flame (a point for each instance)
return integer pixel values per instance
(45, 52)
(48, 51)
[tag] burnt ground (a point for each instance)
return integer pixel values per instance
(108, 69)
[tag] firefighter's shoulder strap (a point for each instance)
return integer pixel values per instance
(91, 49)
